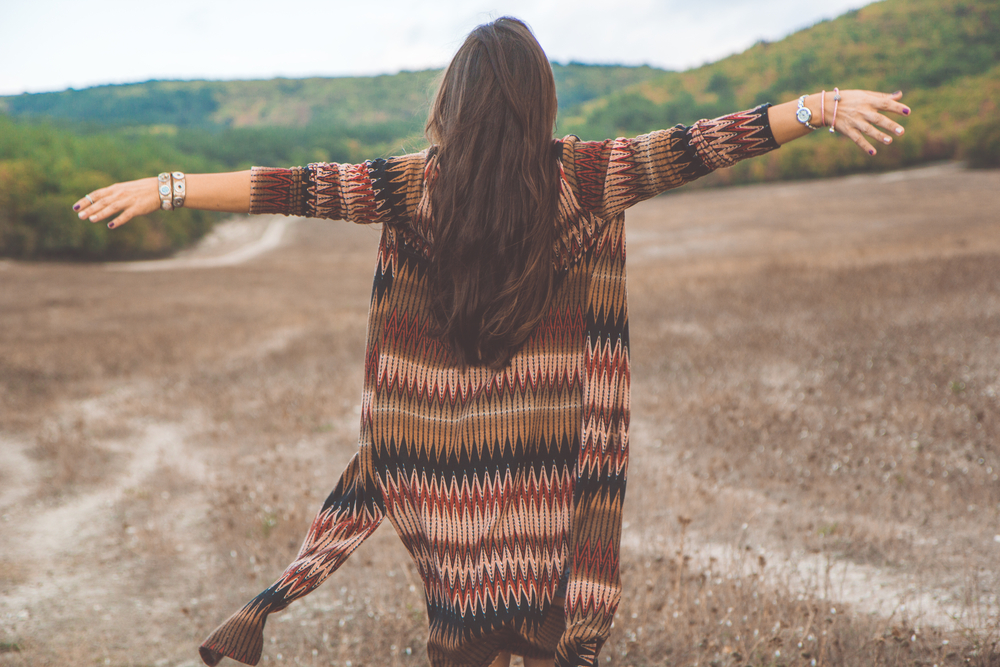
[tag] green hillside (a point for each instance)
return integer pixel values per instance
(399, 100)
(944, 54)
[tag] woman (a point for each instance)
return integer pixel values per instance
(494, 431)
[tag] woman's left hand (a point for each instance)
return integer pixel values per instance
(859, 116)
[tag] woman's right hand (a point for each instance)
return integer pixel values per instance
(127, 199)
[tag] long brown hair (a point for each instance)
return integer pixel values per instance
(496, 194)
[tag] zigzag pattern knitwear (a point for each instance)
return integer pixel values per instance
(500, 482)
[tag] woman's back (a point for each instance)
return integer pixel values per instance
(503, 483)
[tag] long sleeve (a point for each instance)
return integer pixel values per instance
(612, 175)
(594, 588)
(602, 180)
(350, 514)
(374, 191)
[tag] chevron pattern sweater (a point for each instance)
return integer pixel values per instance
(500, 483)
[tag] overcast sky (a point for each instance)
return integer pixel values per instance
(56, 44)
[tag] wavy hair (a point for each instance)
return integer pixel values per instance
(496, 195)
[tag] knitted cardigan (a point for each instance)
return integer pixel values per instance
(499, 482)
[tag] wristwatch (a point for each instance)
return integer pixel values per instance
(803, 114)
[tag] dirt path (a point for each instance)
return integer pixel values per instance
(816, 395)
(231, 242)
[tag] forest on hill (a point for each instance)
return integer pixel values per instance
(945, 55)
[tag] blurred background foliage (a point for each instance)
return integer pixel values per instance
(945, 55)
(44, 169)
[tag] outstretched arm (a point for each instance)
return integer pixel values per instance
(858, 116)
(228, 192)
(612, 175)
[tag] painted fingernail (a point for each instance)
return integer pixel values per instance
(888, 140)
(111, 225)
(871, 152)
(898, 92)
(76, 207)
(899, 130)
(906, 112)
(81, 215)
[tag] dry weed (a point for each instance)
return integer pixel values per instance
(71, 457)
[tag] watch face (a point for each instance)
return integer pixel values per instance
(803, 114)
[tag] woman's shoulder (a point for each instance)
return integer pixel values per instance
(584, 166)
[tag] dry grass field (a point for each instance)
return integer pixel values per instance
(814, 479)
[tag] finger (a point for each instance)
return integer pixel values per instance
(90, 204)
(103, 209)
(895, 107)
(872, 131)
(892, 104)
(86, 208)
(121, 220)
(102, 193)
(887, 124)
(860, 140)
(85, 203)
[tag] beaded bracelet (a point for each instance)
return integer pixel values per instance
(822, 109)
(836, 103)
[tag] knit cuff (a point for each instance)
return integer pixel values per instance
(279, 190)
(241, 637)
(724, 141)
